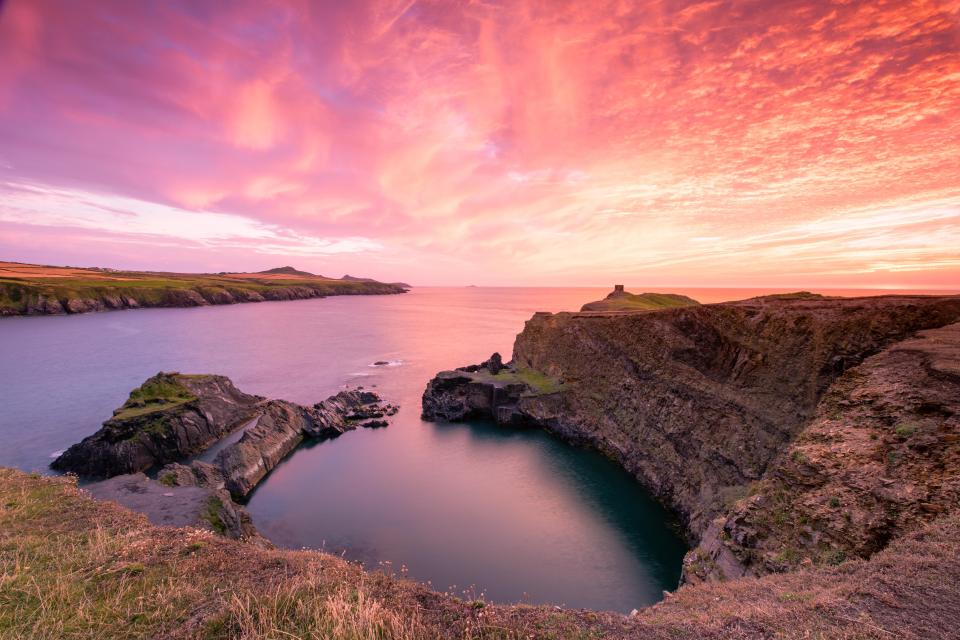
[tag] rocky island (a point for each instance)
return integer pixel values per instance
(27, 289)
(173, 417)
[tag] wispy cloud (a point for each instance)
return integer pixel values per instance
(559, 142)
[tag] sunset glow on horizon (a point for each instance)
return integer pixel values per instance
(689, 143)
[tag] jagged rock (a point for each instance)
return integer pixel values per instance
(167, 418)
(282, 426)
(172, 416)
(489, 390)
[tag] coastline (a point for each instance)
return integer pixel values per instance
(30, 290)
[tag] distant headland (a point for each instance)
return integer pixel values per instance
(29, 289)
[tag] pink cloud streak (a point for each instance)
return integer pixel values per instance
(719, 142)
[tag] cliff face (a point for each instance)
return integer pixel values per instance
(880, 458)
(698, 401)
(702, 405)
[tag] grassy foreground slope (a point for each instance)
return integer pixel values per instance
(73, 567)
(27, 289)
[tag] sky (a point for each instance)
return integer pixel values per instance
(666, 143)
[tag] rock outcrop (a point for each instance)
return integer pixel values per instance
(193, 504)
(169, 417)
(172, 417)
(282, 426)
(490, 390)
(700, 402)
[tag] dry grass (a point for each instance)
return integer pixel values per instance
(72, 567)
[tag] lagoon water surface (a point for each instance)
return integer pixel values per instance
(470, 508)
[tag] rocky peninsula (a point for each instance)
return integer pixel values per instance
(27, 289)
(788, 432)
(173, 417)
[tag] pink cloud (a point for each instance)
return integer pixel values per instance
(540, 142)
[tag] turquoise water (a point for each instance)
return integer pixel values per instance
(471, 508)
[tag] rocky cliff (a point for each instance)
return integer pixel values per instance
(699, 403)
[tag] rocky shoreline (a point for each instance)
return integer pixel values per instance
(173, 417)
(718, 409)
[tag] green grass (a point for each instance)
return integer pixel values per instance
(905, 429)
(212, 515)
(537, 381)
(641, 302)
(159, 393)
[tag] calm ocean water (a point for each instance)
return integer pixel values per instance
(471, 508)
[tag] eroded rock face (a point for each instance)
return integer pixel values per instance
(880, 458)
(699, 400)
(490, 390)
(169, 417)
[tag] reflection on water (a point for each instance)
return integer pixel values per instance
(515, 514)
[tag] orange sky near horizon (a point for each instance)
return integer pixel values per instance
(795, 143)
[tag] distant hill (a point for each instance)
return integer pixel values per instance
(290, 271)
(620, 300)
(350, 278)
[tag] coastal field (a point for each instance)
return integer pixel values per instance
(29, 289)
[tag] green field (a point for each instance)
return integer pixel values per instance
(32, 290)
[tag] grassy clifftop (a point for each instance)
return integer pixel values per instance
(620, 300)
(38, 290)
(74, 567)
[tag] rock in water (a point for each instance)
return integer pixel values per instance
(168, 417)
(283, 426)
(172, 416)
